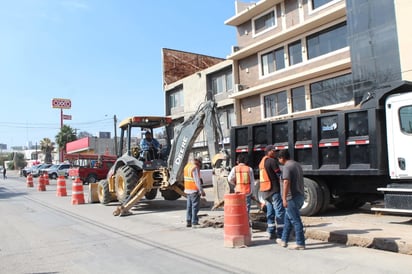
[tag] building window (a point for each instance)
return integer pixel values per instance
(275, 104)
(222, 82)
(295, 53)
(298, 99)
(326, 41)
(176, 98)
(273, 60)
(331, 91)
(318, 3)
(265, 22)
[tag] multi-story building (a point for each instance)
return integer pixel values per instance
(297, 57)
(190, 79)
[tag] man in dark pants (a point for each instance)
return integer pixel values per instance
(293, 198)
(269, 173)
(193, 189)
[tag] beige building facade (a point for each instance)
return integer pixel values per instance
(299, 57)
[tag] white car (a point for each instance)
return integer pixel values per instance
(206, 174)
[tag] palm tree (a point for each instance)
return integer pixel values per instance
(66, 135)
(47, 147)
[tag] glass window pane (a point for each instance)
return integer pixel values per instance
(264, 22)
(327, 41)
(280, 58)
(317, 3)
(295, 53)
(405, 116)
(331, 91)
(275, 104)
(298, 99)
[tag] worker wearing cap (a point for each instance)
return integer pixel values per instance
(269, 173)
(193, 189)
(149, 146)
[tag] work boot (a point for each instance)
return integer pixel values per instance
(189, 224)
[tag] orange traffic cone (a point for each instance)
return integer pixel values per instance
(236, 223)
(41, 186)
(46, 178)
(29, 180)
(77, 192)
(61, 187)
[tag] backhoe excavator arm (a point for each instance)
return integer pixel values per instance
(186, 134)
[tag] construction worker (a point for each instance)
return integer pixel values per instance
(193, 189)
(269, 173)
(241, 176)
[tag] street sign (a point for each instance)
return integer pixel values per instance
(67, 117)
(61, 103)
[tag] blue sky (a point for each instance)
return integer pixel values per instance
(103, 55)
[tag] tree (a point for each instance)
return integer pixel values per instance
(67, 134)
(16, 161)
(47, 147)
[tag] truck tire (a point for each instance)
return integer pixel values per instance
(313, 198)
(125, 180)
(326, 196)
(91, 178)
(103, 192)
(151, 194)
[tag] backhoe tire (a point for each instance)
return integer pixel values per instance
(125, 180)
(103, 192)
(151, 194)
(171, 195)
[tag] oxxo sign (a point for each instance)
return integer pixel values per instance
(61, 103)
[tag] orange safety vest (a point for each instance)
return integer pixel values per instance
(190, 183)
(264, 179)
(242, 179)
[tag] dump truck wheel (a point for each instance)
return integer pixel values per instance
(151, 194)
(313, 198)
(103, 192)
(125, 180)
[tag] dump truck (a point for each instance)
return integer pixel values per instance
(134, 175)
(349, 157)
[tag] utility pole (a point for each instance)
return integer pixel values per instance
(115, 134)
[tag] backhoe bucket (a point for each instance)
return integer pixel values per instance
(220, 183)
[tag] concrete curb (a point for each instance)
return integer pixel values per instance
(391, 244)
(387, 244)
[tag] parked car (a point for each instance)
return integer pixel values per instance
(206, 173)
(35, 171)
(55, 171)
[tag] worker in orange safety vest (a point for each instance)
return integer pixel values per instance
(241, 176)
(193, 190)
(269, 173)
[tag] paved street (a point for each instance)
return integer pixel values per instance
(43, 233)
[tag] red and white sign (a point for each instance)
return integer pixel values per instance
(67, 117)
(61, 103)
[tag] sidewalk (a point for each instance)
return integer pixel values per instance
(362, 228)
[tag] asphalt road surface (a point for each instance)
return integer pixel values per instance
(43, 233)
